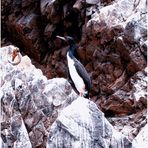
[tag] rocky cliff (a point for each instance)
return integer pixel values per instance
(111, 38)
(37, 112)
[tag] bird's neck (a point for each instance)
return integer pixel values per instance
(72, 50)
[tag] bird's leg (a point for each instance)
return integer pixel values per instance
(81, 94)
(82, 91)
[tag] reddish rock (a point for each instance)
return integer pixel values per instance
(107, 68)
(117, 72)
(26, 31)
(51, 11)
(90, 48)
(49, 29)
(60, 69)
(119, 82)
(81, 52)
(122, 49)
(137, 62)
(89, 67)
(111, 40)
(130, 98)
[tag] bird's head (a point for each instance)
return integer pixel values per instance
(71, 43)
(68, 39)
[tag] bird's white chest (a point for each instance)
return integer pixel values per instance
(78, 81)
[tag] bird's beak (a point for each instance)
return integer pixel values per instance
(60, 37)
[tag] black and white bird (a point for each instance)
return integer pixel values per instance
(78, 76)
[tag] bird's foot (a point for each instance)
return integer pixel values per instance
(81, 94)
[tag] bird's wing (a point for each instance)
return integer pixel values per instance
(83, 74)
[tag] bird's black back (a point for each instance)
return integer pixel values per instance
(84, 75)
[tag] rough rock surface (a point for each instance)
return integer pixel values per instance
(115, 43)
(29, 102)
(126, 100)
(83, 125)
(22, 20)
(112, 44)
(36, 112)
(141, 139)
(110, 34)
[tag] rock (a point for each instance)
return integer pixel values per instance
(35, 24)
(90, 50)
(106, 49)
(9, 138)
(129, 125)
(112, 45)
(142, 138)
(143, 48)
(130, 98)
(28, 102)
(27, 29)
(122, 49)
(92, 1)
(60, 68)
(79, 4)
(49, 29)
(83, 128)
(24, 21)
(117, 49)
(51, 10)
(31, 104)
(118, 83)
(137, 62)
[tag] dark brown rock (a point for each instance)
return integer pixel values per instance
(122, 49)
(82, 54)
(137, 62)
(51, 11)
(130, 98)
(90, 48)
(26, 28)
(49, 29)
(60, 69)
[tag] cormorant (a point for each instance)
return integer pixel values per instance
(78, 76)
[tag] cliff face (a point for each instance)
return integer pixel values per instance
(83, 125)
(37, 112)
(29, 102)
(111, 37)
(112, 44)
